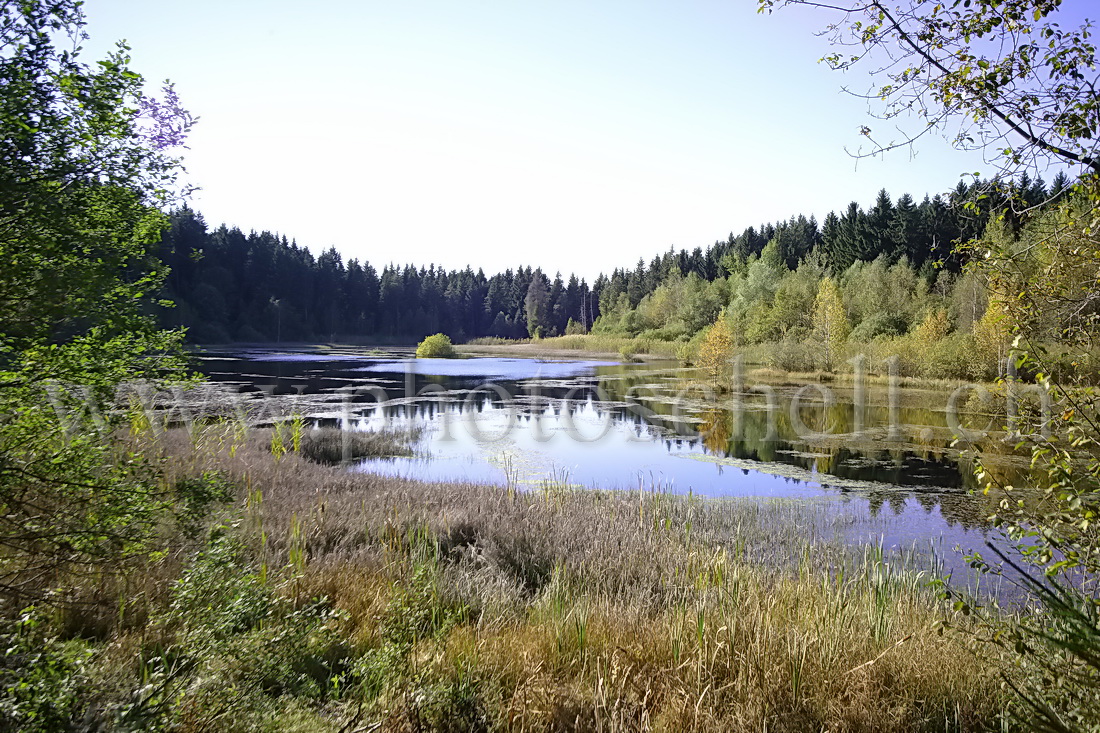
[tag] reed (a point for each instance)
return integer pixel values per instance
(571, 608)
(330, 600)
(335, 446)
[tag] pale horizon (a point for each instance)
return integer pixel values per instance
(572, 138)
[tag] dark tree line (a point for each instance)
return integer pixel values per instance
(231, 286)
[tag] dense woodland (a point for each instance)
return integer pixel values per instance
(232, 286)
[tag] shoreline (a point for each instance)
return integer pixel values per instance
(543, 350)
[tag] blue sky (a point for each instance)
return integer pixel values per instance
(576, 136)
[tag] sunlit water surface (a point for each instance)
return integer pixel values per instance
(648, 427)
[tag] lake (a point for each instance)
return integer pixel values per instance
(866, 450)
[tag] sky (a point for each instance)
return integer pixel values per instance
(573, 135)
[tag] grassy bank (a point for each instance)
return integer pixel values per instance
(599, 345)
(756, 360)
(326, 600)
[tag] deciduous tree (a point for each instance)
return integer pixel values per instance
(830, 322)
(1007, 74)
(717, 349)
(85, 166)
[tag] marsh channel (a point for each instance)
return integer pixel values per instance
(884, 461)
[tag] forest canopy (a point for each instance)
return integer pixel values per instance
(231, 286)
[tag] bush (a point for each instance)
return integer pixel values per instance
(792, 356)
(667, 333)
(880, 324)
(436, 346)
(236, 642)
(1064, 363)
(40, 677)
(955, 357)
(626, 353)
(195, 496)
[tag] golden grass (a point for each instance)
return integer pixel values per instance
(632, 611)
(576, 344)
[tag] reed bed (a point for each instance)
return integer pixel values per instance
(461, 607)
(334, 446)
(596, 344)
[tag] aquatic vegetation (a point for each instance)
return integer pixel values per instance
(508, 608)
(332, 445)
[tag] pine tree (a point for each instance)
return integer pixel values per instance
(852, 241)
(905, 235)
(535, 305)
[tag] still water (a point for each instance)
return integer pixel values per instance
(889, 453)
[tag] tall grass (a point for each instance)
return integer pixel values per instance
(605, 344)
(333, 446)
(326, 600)
(465, 607)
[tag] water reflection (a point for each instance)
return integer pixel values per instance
(621, 426)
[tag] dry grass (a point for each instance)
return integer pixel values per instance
(845, 377)
(479, 607)
(334, 446)
(602, 345)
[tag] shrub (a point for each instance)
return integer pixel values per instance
(792, 356)
(40, 677)
(197, 495)
(626, 353)
(667, 333)
(436, 346)
(237, 641)
(880, 324)
(955, 357)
